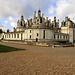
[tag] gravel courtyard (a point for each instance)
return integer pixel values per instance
(35, 60)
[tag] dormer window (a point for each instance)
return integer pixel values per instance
(37, 19)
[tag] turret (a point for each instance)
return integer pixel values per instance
(58, 23)
(54, 19)
(27, 25)
(43, 19)
(39, 13)
(46, 19)
(34, 14)
(30, 22)
(66, 19)
(18, 23)
(49, 22)
(62, 23)
(42, 15)
(14, 30)
(55, 22)
(22, 18)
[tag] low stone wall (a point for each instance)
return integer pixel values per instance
(41, 44)
(28, 43)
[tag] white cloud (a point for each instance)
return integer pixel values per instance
(6, 22)
(10, 19)
(65, 8)
(3, 27)
(17, 8)
(13, 24)
(52, 18)
(62, 9)
(51, 10)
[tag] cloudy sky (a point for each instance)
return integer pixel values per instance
(11, 10)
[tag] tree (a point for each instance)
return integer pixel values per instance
(7, 30)
(1, 31)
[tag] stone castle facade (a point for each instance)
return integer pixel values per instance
(41, 29)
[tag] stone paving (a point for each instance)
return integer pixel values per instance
(35, 60)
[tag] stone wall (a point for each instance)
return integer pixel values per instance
(61, 37)
(38, 34)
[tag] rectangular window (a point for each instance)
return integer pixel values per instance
(64, 37)
(17, 35)
(37, 34)
(9, 35)
(37, 20)
(30, 36)
(30, 31)
(44, 34)
(14, 35)
(58, 36)
(54, 36)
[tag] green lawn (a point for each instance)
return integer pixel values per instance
(4, 49)
(0, 40)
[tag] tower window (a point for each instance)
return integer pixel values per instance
(58, 36)
(17, 35)
(44, 34)
(54, 36)
(30, 36)
(21, 23)
(64, 37)
(37, 19)
(30, 31)
(37, 34)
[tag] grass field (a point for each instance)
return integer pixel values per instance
(8, 49)
(0, 40)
